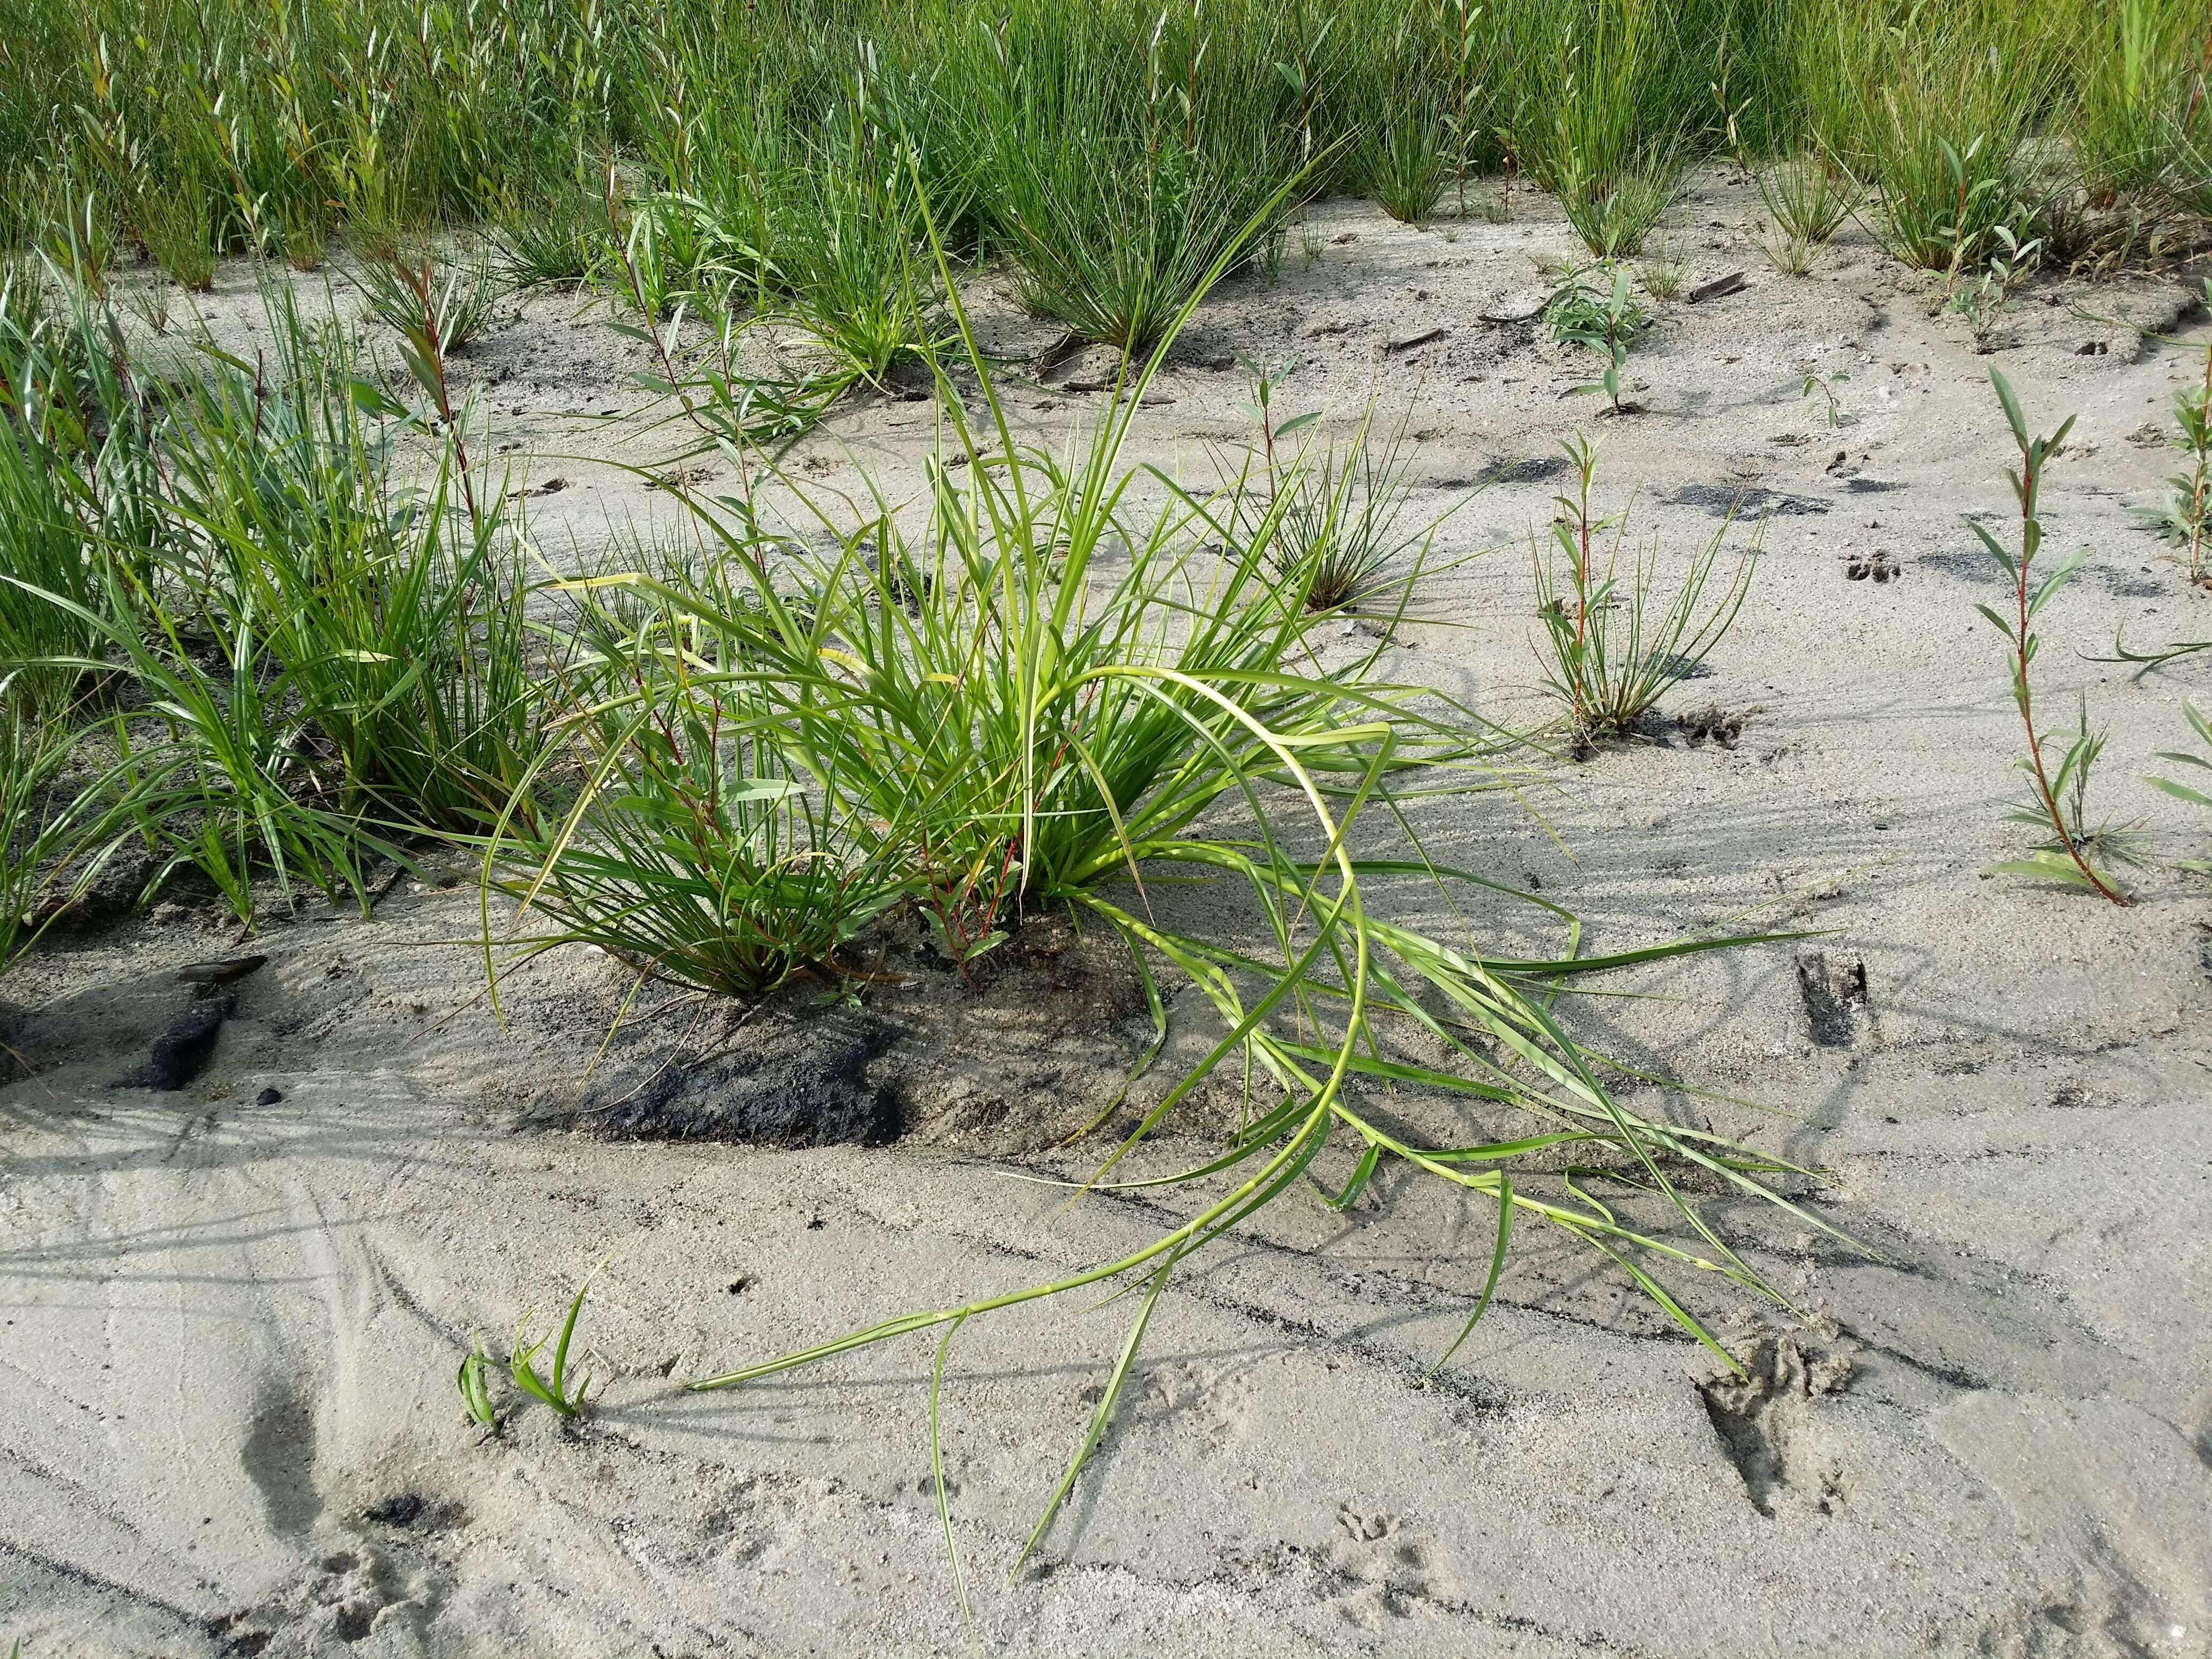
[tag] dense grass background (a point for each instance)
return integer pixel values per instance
(196, 127)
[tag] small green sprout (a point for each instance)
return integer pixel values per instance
(474, 1382)
(555, 1392)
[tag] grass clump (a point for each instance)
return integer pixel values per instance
(1118, 176)
(1339, 540)
(436, 305)
(1614, 172)
(58, 830)
(1014, 725)
(1608, 653)
(1807, 203)
(1943, 135)
(310, 658)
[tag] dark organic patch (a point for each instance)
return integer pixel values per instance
(401, 1510)
(1534, 470)
(1746, 501)
(798, 1083)
(1871, 486)
(411, 1512)
(181, 1053)
(1835, 997)
(1969, 563)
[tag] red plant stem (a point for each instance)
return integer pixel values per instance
(2029, 481)
(2196, 502)
(1581, 593)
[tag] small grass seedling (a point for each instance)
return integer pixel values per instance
(1665, 269)
(2057, 795)
(474, 1382)
(554, 1391)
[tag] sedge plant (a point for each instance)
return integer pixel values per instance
(1341, 533)
(1040, 729)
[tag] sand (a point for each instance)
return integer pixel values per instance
(231, 1328)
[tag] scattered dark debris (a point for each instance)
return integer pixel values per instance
(1407, 342)
(222, 971)
(1515, 319)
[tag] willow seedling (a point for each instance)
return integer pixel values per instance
(2056, 794)
(2185, 516)
(1607, 324)
(2201, 764)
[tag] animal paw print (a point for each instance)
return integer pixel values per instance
(1365, 1529)
(1877, 567)
(1381, 1572)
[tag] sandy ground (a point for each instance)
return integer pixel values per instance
(231, 1328)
